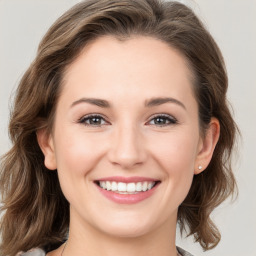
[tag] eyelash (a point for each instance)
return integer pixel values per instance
(171, 120)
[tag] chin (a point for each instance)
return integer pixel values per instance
(127, 231)
(127, 227)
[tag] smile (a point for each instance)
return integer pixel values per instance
(126, 188)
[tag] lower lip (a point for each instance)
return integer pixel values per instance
(127, 198)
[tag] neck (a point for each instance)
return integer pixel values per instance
(86, 240)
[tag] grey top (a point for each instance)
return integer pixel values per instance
(40, 252)
(183, 252)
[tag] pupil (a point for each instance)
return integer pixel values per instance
(95, 120)
(160, 120)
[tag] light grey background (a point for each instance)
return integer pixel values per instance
(232, 23)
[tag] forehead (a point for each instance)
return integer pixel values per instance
(141, 65)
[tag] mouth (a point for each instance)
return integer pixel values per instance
(127, 188)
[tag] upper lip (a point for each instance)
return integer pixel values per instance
(127, 179)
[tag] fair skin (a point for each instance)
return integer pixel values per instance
(126, 140)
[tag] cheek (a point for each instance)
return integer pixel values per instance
(77, 153)
(176, 154)
(176, 151)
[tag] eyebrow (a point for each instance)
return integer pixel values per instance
(148, 103)
(159, 101)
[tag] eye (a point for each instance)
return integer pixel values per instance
(163, 120)
(92, 120)
(98, 120)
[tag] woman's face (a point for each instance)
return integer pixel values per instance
(126, 120)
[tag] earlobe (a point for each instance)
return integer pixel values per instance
(207, 146)
(45, 142)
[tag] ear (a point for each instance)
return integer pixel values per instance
(45, 142)
(207, 146)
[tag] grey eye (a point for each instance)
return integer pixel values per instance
(163, 120)
(92, 120)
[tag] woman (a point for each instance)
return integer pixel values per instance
(120, 130)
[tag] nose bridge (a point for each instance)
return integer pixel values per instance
(127, 146)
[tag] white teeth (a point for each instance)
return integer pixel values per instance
(138, 186)
(108, 185)
(145, 186)
(121, 187)
(150, 185)
(130, 187)
(103, 184)
(127, 188)
(114, 186)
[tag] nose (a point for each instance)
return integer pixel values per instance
(127, 148)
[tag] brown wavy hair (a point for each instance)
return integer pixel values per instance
(35, 212)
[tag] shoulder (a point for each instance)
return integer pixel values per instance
(183, 252)
(33, 252)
